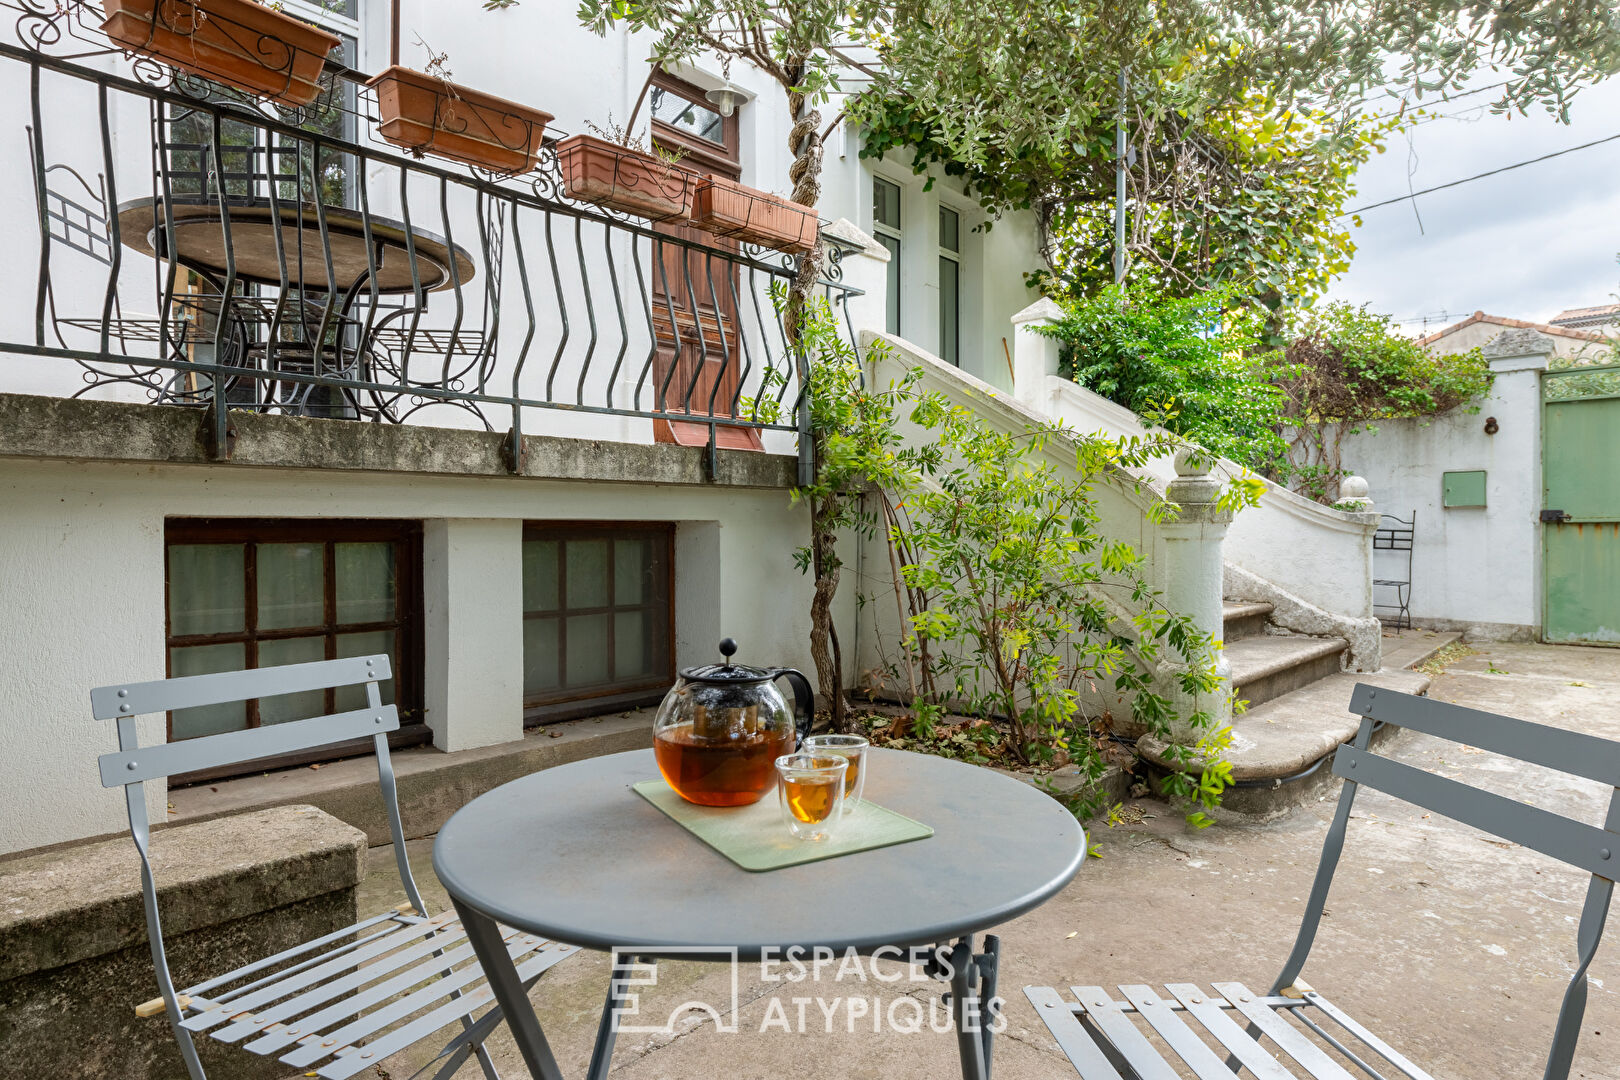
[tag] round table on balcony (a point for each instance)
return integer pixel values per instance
(365, 249)
(575, 855)
(368, 254)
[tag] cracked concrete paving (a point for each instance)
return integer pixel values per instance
(1454, 946)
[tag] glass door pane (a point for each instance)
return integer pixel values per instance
(365, 581)
(291, 580)
(208, 719)
(206, 583)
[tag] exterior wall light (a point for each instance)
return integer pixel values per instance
(724, 99)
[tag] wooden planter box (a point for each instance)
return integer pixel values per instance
(425, 114)
(726, 208)
(238, 42)
(607, 174)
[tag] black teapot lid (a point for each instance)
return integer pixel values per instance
(727, 672)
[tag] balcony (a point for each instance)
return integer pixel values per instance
(257, 257)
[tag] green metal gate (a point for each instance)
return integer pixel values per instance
(1581, 493)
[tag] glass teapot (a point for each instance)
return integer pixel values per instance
(719, 732)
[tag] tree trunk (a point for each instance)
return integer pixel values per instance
(805, 143)
(824, 648)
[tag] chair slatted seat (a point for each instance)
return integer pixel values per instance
(1294, 1033)
(339, 1004)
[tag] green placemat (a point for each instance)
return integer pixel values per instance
(756, 838)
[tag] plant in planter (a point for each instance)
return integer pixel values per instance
(242, 43)
(424, 112)
(727, 208)
(613, 168)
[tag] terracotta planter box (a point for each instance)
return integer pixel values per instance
(425, 114)
(238, 42)
(727, 208)
(607, 174)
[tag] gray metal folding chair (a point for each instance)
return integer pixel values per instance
(346, 1001)
(1100, 1035)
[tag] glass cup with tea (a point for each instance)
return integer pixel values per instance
(811, 790)
(853, 749)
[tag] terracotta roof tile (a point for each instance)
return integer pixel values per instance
(1598, 313)
(1516, 324)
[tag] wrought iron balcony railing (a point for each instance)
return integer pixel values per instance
(254, 255)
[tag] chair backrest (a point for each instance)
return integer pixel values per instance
(1394, 533)
(1594, 849)
(132, 764)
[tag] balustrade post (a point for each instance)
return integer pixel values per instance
(1194, 569)
(1035, 356)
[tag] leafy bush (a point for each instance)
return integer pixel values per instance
(1189, 364)
(1005, 572)
(998, 564)
(1346, 368)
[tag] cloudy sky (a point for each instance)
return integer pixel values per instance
(1525, 244)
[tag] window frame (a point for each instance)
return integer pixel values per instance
(565, 703)
(892, 237)
(724, 159)
(406, 623)
(951, 258)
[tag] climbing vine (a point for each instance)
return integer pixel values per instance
(1344, 369)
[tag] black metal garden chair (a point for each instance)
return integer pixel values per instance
(1101, 1037)
(340, 1004)
(1396, 534)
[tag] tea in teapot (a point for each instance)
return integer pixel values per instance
(720, 730)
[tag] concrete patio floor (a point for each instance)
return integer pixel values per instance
(1454, 946)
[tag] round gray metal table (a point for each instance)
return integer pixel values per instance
(573, 854)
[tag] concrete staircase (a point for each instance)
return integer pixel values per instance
(1296, 714)
(1266, 666)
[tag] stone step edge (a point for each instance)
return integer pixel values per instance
(1248, 670)
(1243, 609)
(1338, 729)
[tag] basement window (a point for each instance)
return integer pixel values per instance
(598, 617)
(249, 593)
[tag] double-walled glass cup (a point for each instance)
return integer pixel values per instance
(853, 749)
(811, 790)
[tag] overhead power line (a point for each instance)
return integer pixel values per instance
(1480, 176)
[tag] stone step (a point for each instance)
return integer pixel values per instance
(1244, 619)
(1280, 750)
(1267, 667)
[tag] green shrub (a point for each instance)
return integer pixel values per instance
(1191, 365)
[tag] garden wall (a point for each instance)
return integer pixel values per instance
(1474, 568)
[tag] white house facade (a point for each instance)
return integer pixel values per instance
(453, 428)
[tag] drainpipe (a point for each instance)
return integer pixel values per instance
(1119, 183)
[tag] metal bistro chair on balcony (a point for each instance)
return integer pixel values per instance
(342, 1003)
(1396, 534)
(1103, 1042)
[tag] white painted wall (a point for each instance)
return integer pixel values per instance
(1476, 569)
(81, 605)
(995, 255)
(81, 574)
(472, 662)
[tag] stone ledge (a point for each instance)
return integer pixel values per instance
(81, 902)
(78, 429)
(432, 784)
